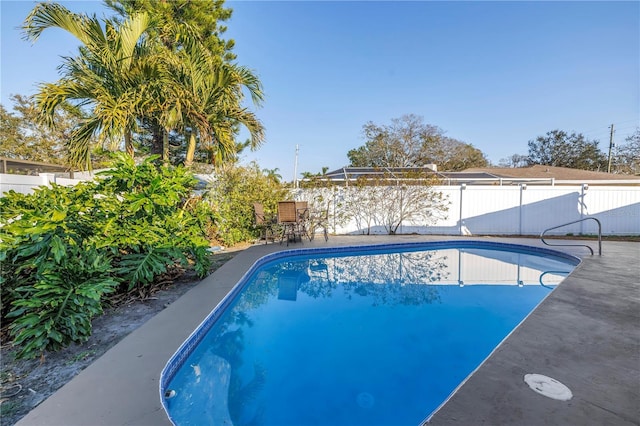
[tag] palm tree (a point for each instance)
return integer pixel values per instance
(219, 93)
(107, 79)
(200, 96)
(129, 72)
(202, 92)
(272, 174)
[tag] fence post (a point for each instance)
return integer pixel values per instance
(523, 186)
(463, 186)
(582, 206)
(47, 178)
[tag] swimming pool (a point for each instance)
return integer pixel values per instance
(355, 335)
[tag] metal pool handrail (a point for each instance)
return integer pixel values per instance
(576, 245)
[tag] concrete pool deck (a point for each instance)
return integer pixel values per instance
(586, 334)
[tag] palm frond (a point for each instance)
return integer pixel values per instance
(54, 15)
(129, 35)
(79, 145)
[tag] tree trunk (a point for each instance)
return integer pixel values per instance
(191, 150)
(165, 147)
(157, 133)
(128, 143)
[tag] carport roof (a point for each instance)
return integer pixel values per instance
(22, 167)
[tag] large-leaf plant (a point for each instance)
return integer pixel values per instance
(63, 249)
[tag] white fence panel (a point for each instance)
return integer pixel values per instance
(67, 181)
(491, 209)
(549, 206)
(21, 183)
(617, 208)
(26, 184)
(449, 222)
(524, 210)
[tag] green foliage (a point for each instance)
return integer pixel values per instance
(158, 73)
(180, 21)
(108, 79)
(560, 149)
(142, 267)
(23, 136)
(409, 142)
(39, 229)
(150, 224)
(627, 158)
(231, 197)
(57, 309)
(64, 248)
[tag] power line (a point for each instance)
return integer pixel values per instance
(617, 124)
(601, 133)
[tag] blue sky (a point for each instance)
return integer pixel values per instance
(493, 74)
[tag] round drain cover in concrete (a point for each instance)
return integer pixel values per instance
(551, 388)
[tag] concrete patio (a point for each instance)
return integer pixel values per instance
(586, 334)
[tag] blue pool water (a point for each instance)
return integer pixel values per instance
(355, 336)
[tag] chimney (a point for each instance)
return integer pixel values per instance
(432, 167)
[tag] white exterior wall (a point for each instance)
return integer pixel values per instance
(67, 182)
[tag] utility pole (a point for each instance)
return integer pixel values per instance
(610, 149)
(295, 168)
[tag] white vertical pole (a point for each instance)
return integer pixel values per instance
(582, 205)
(460, 280)
(463, 186)
(523, 186)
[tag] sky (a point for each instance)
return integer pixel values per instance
(492, 74)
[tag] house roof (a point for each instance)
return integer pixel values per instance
(551, 172)
(352, 173)
(537, 174)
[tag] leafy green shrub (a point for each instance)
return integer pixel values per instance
(63, 249)
(231, 197)
(151, 223)
(38, 229)
(57, 309)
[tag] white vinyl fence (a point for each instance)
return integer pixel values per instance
(26, 184)
(479, 210)
(502, 210)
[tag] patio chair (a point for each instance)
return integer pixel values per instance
(262, 222)
(303, 215)
(288, 220)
